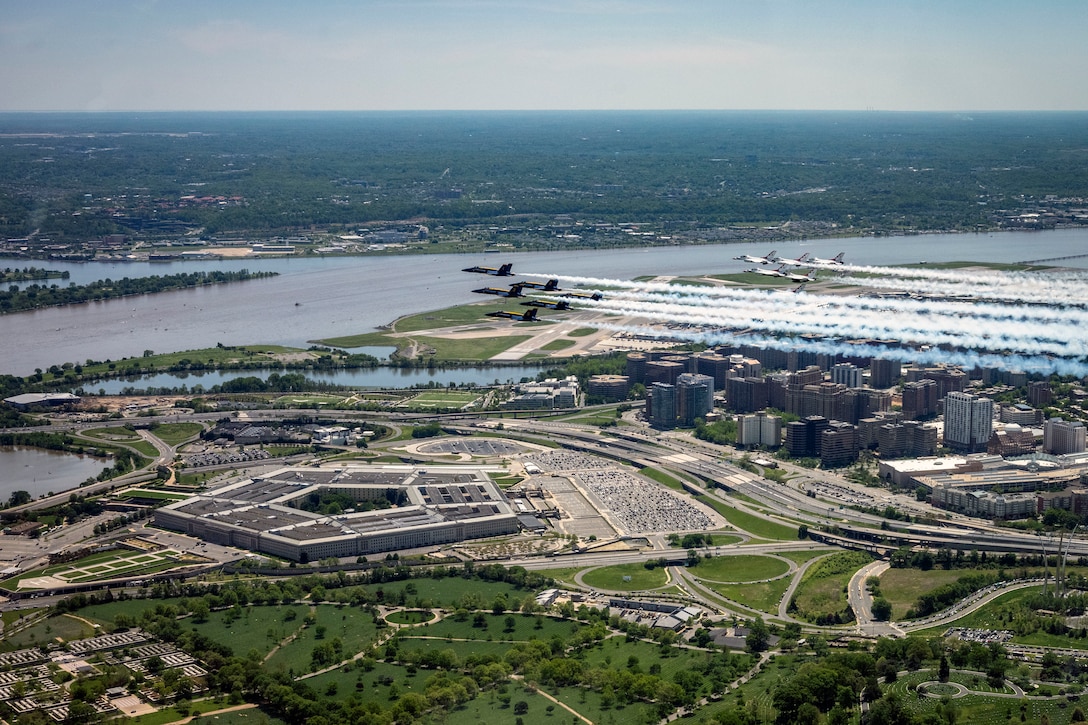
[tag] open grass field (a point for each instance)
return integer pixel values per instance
(449, 592)
(763, 596)
(902, 587)
(440, 399)
(409, 616)
(51, 629)
(352, 626)
(122, 437)
(557, 345)
(474, 348)
(740, 568)
(525, 627)
(373, 685)
(656, 474)
(612, 578)
(175, 433)
(563, 576)
(800, 557)
(462, 650)
(749, 522)
(823, 587)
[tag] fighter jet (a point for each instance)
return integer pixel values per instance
(503, 271)
(837, 259)
(552, 285)
(557, 305)
(514, 291)
(767, 272)
(799, 262)
(769, 259)
(798, 277)
(585, 295)
(528, 316)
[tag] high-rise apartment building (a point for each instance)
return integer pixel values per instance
(1063, 436)
(968, 422)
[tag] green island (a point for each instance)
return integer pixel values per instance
(35, 296)
(27, 274)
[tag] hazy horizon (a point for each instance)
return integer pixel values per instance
(524, 55)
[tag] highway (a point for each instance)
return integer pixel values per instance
(817, 499)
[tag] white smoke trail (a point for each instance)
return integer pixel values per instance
(1002, 330)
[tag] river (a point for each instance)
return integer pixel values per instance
(41, 472)
(383, 377)
(315, 297)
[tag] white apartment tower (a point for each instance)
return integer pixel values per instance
(968, 421)
(1063, 436)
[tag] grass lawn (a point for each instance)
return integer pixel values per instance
(823, 587)
(756, 694)
(409, 616)
(176, 433)
(902, 587)
(563, 576)
(473, 349)
(374, 685)
(740, 568)
(582, 332)
(612, 578)
(525, 627)
(496, 647)
(751, 523)
(122, 437)
(661, 477)
(113, 434)
(800, 557)
(489, 708)
(449, 592)
(556, 345)
(763, 596)
(50, 629)
(354, 627)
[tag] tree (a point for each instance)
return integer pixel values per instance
(882, 609)
(521, 707)
(18, 498)
(758, 636)
(943, 669)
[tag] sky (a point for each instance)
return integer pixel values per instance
(896, 55)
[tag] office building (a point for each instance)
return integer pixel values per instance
(694, 397)
(661, 405)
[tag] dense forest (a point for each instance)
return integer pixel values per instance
(177, 174)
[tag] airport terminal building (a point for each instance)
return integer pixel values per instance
(441, 505)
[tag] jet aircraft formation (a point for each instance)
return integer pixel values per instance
(517, 289)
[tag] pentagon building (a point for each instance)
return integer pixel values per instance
(444, 504)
